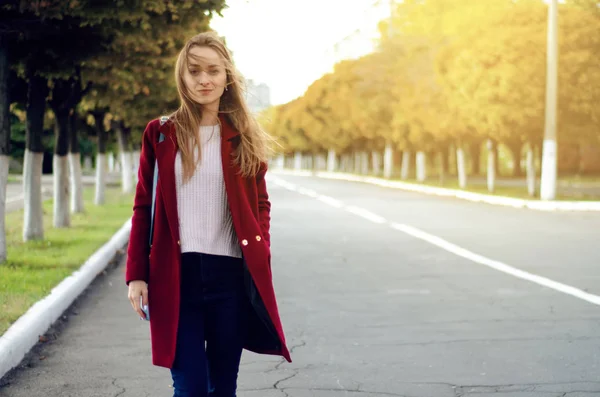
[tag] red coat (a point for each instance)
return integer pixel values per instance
(159, 265)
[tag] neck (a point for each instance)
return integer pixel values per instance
(210, 114)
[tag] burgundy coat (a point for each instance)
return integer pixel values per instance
(159, 265)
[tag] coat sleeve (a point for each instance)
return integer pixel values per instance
(264, 205)
(138, 250)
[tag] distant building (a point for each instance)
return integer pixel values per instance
(258, 96)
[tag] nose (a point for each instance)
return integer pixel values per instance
(204, 79)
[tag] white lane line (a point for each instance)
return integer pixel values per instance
(497, 265)
(331, 201)
(365, 214)
(307, 192)
(450, 247)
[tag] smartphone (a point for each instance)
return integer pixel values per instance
(145, 310)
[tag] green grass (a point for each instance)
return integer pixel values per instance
(12, 179)
(35, 267)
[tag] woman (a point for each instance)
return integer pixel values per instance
(206, 276)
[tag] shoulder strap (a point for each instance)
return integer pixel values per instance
(161, 138)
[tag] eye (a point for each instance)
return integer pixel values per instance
(214, 71)
(193, 72)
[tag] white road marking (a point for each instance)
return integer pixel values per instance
(448, 246)
(365, 214)
(331, 201)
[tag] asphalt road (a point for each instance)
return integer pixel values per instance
(382, 293)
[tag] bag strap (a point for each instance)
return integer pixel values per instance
(161, 138)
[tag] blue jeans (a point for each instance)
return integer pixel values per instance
(212, 320)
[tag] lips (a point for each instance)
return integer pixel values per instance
(205, 92)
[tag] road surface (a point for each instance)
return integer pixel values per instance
(382, 293)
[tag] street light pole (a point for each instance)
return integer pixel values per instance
(548, 179)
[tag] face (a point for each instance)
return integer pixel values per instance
(205, 76)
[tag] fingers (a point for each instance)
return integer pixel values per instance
(145, 296)
(134, 299)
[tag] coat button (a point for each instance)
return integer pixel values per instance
(244, 242)
(178, 242)
(257, 238)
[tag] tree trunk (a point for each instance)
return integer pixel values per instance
(62, 217)
(405, 169)
(75, 166)
(421, 166)
(388, 161)
(33, 220)
(101, 161)
(515, 149)
(444, 165)
(491, 165)
(461, 167)
(331, 160)
(364, 163)
(4, 140)
(298, 161)
(111, 162)
(530, 171)
(475, 152)
(376, 162)
(125, 153)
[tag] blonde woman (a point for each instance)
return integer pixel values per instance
(201, 263)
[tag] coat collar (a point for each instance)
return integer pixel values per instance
(228, 131)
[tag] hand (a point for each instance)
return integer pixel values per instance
(138, 288)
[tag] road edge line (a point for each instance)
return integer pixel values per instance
(447, 192)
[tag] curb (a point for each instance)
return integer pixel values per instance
(18, 340)
(445, 192)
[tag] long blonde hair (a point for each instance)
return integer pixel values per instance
(253, 148)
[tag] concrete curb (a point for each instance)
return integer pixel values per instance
(18, 340)
(445, 192)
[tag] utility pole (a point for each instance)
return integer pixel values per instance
(549, 154)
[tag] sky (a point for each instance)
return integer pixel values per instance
(288, 44)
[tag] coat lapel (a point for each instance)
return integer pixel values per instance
(165, 156)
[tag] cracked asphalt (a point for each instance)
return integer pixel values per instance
(370, 311)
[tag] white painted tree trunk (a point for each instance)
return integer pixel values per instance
(323, 161)
(62, 217)
(3, 181)
(280, 162)
(136, 165)
(76, 183)
(376, 156)
(331, 160)
(460, 164)
(101, 166)
(364, 163)
(298, 161)
(87, 163)
(357, 162)
(126, 172)
(421, 167)
(404, 171)
(491, 168)
(388, 161)
(33, 219)
(111, 162)
(530, 164)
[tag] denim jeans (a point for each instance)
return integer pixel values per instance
(212, 320)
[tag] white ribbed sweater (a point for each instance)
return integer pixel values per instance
(204, 218)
